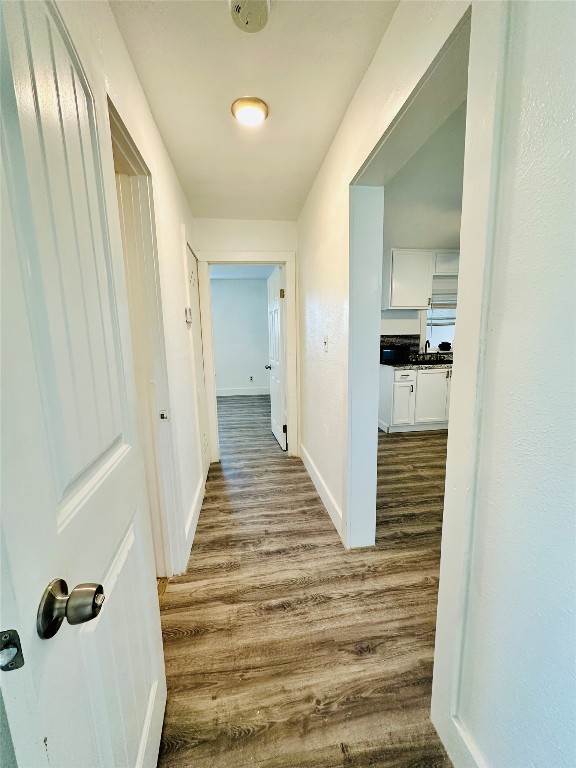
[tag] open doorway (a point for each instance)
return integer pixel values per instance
(240, 369)
(136, 212)
(248, 319)
(422, 212)
(405, 210)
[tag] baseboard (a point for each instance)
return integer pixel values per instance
(433, 425)
(193, 516)
(243, 391)
(327, 499)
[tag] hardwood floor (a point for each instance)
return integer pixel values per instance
(282, 649)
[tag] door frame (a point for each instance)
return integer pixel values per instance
(155, 435)
(287, 259)
(485, 96)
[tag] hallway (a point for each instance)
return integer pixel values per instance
(283, 650)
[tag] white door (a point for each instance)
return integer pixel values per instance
(276, 327)
(195, 325)
(412, 273)
(74, 502)
(403, 403)
(431, 395)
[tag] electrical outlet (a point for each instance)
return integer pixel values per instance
(251, 378)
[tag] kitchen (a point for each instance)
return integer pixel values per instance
(422, 211)
(416, 369)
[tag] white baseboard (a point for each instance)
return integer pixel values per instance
(413, 427)
(192, 520)
(243, 391)
(327, 499)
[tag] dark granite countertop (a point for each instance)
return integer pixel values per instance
(419, 366)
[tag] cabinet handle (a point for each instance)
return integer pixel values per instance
(447, 374)
(429, 301)
(411, 387)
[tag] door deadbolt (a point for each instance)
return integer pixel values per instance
(10, 651)
(84, 603)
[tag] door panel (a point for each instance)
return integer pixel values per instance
(411, 279)
(276, 355)
(74, 501)
(403, 406)
(431, 395)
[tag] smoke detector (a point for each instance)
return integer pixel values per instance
(250, 15)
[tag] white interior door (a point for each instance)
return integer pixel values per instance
(74, 499)
(195, 324)
(276, 336)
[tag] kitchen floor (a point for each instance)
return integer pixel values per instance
(282, 649)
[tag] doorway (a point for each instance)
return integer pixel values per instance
(248, 321)
(240, 342)
(136, 212)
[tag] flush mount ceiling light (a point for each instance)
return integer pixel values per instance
(250, 111)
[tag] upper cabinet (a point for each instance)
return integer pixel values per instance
(447, 262)
(411, 279)
(408, 273)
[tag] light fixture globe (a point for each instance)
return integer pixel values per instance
(250, 111)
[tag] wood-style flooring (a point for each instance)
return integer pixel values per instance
(282, 649)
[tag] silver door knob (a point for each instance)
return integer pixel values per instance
(82, 604)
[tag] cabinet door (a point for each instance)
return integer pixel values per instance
(431, 395)
(447, 262)
(403, 405)
(411, 279)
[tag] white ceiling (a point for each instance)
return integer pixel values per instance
(241, 272)
(193, 62)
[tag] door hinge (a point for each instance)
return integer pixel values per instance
(282, 294)
(188, 315)
(285, 429)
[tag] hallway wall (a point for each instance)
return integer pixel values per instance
(240, 336)
(94, 28)
(517, 692)
(243, 235)
(412, 41)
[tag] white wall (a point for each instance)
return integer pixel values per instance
(423, 204)
(243, 235)
(414, 38)
(94, 24)
(240, 336)
(518, 682)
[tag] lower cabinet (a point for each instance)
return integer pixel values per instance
(431, 395)
(403, 403)
(413, 398)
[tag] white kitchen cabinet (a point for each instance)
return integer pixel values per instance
(403, 403)
(431, 395)
(447, 262)
(408, 273)
(413, 399)
(410, 283)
